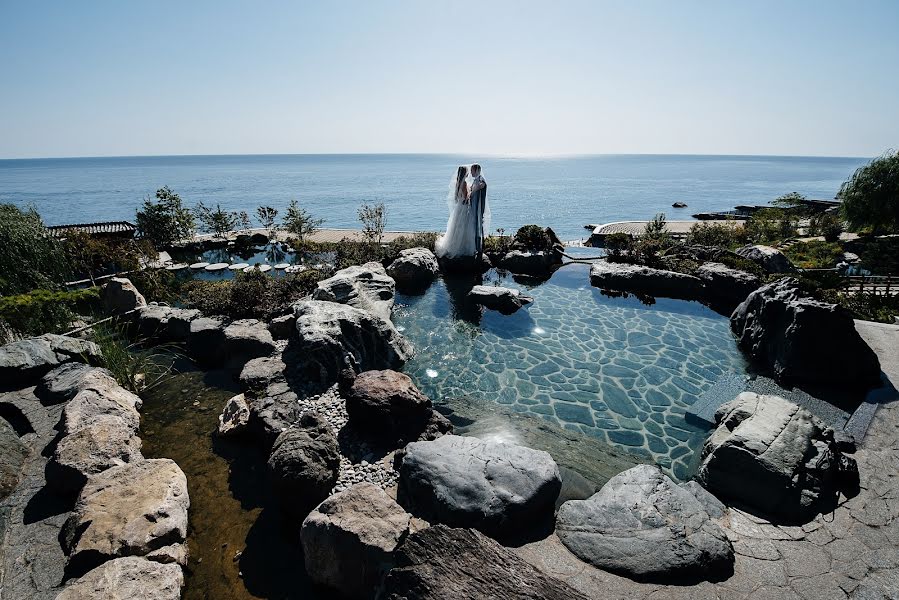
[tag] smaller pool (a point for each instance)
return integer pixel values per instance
(611, 368)
(270, 255)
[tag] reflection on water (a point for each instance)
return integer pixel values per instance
(240, 548)
(612, 368)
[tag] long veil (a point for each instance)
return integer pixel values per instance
(459, 239)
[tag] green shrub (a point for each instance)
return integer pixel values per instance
(719, 235)
(29, 257)
(164, 221)
(771, 225)
(827, 225)
(251, 295)
(532, 238)
(870, 198)
(133, 366)
(815, 254)
(45, 311)
(868, 307)
(880, 256)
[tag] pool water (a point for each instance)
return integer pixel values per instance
(612, 368)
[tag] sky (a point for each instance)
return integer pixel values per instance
(110, 78)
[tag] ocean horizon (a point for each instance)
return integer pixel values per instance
(565, 192)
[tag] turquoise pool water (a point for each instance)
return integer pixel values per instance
(612, 368)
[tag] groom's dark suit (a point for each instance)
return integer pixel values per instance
(478, 203)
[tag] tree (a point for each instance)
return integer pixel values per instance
(870, 198)
(29, 256)
(164, 221)
(244, 220)
(267, 216)
(299, 222)
(374, 220)
(218, 222)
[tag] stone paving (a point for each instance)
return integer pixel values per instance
(850, 553)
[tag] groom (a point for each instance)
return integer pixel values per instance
(478, 198)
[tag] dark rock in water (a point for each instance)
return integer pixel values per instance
(131, 510)
(414, 269)
(498, 488)
(770, 259)
(305, 463)
(529, 262)
(65, 381)
(159, 321)
(178, 325)
(502, 299)
(725, 285)
(366, 287)
(12, 456)
(775, 458)
(440, 563)
(245, 340)
(206, 342)
(679, 205)
(353, 532)
(259, 239)
(334, 336)
(26, 360)
(127, 578)
(464, 264)
(272, 412)
(801, 339)
(643, 525)
(120, 296)
(645, 280)
(387, 407)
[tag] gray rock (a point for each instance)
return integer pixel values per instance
(387, 407)
(527, 262)
(130, 510)
(770, 259)
(645, 280)
(152, 320)
(103, 443)
(119, 296)
(206, 342)
(366, 287)
(773, 457)
(283, 327)
(335, 336)
(105, 400)
(245, 340)
(467, 482)
(128, 578)
(414, 269)
(235, 416)
(354, 531)
(712, 505)
(272, 412)
(801, 339)
(305, 462)
(12, 457)
(440, 562)
(723, 284)
(502, 299)
(177, 326)
(26, 360)
(258, 373)
(65, 381)
(464, 264)
(643, 525)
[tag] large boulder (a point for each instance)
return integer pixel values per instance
(440, 562)
(645, 280)
(387, 407)
(247, 339)
(464, 264)
(726, 285)
(770, 259)
(336, 336)
(414, 269)
(13, 453)
(305, 463)
(67, 380)
(119, 296)
(528, 262)
(801, 339)
(206, 341)
(26, 360)
(104, 401)
(643, 525)
(774, 457)
(105, 442)
(467, 482)
(130, 510)
(127, 578)
(502, 299)
(177, 327)
(235, 416)
(354, 531)
(272, 412)
(366, 287)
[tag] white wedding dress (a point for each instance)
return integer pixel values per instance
(459, 239)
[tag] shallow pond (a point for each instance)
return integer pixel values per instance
(612, 368)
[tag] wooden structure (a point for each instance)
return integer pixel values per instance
(114, 229)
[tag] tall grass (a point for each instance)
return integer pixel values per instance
(135, 366)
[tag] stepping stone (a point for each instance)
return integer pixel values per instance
(282, 266)
(216, 266)
(238, 266)
(199, 265)
(265, 268)
(295, 269)
(248, 269)
(176, 267)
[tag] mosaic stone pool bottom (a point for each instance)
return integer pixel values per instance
(612, 368)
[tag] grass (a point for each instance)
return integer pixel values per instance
(133, 366)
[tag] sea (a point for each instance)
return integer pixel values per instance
(565, 193)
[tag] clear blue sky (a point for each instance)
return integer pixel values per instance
(98, 78)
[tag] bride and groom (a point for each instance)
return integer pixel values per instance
(469, 216)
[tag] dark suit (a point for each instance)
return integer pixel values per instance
(479, 203)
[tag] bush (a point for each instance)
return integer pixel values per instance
(45, 311)
(219, 222)
(617, 243)
(29, 257)
(826, 224)
(157, 285)
(815, 254)
(868, 307)
(374, 221)
(251, 295)
(533, 238)
(164, 221)
(771, 225)
(135, 368)
(718, 235)
(880, 256)
(870, 198)
(91, 257)
(300, 223)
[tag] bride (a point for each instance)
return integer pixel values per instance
(460, 238)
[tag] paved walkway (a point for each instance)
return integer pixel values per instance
(850, 553)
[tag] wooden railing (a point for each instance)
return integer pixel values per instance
(878, 285)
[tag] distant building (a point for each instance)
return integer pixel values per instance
(108, 229)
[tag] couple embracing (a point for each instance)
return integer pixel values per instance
(469, 216)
